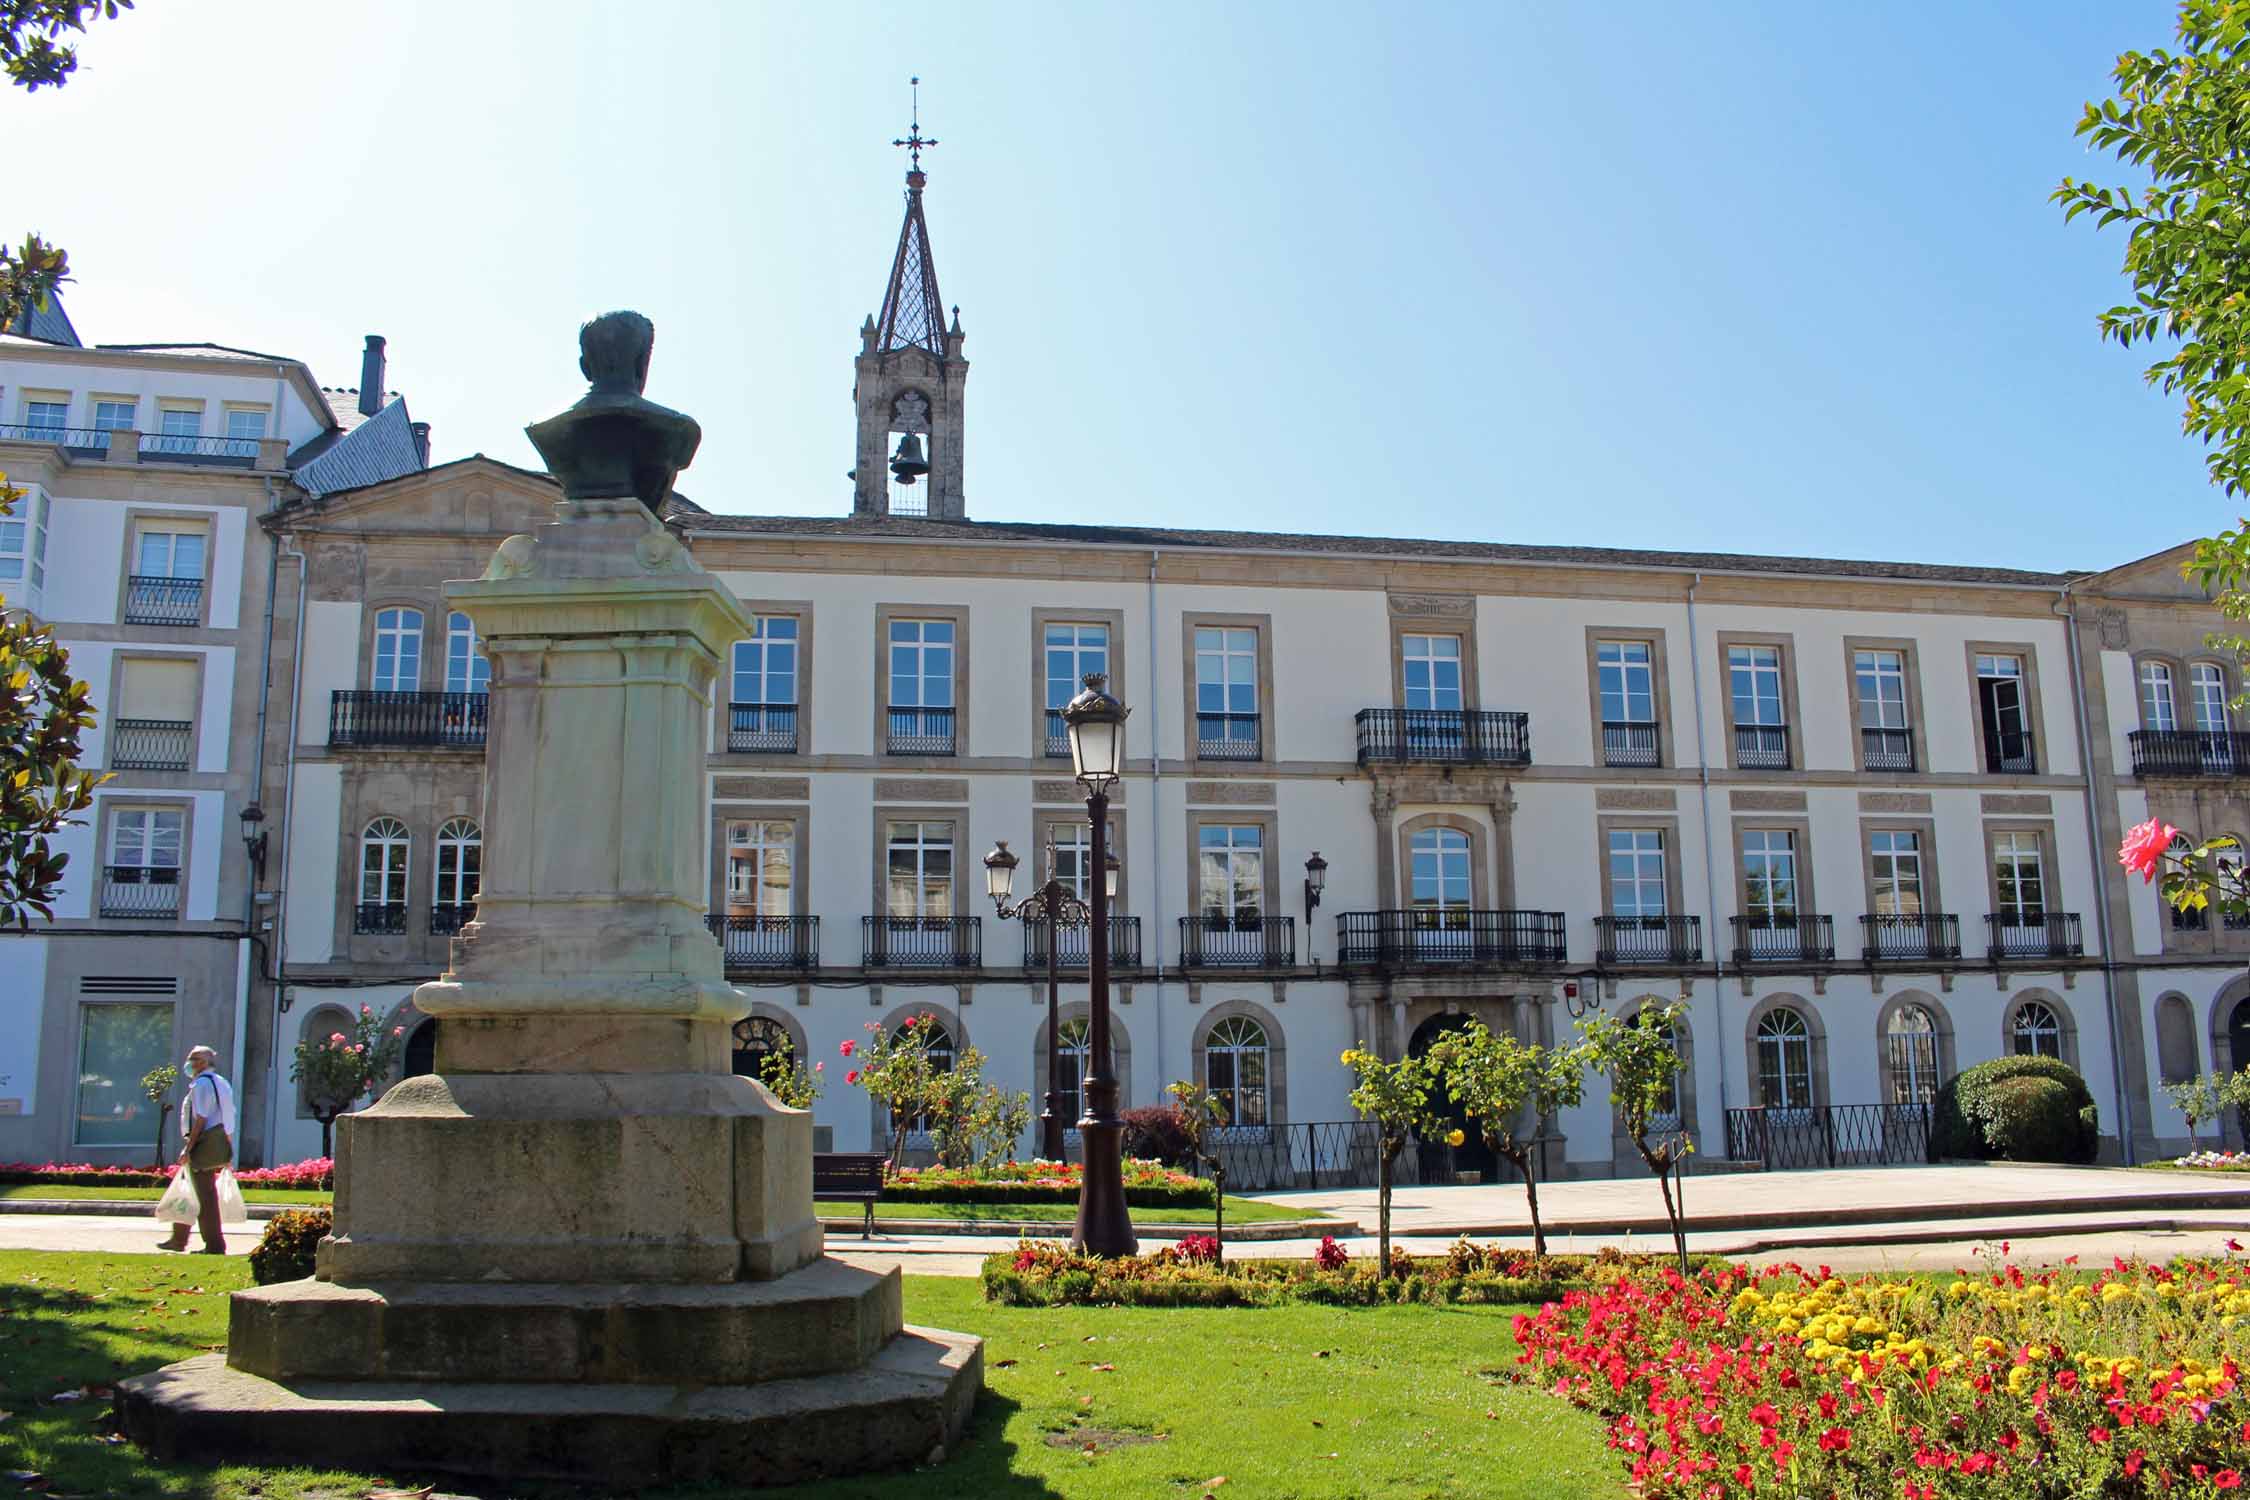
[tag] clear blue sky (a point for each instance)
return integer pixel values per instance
(1740, 277)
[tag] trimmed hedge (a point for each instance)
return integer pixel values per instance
(285, 1251)
(1137, 1195)
(2016, 1109)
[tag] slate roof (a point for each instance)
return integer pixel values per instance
(196, 351)
(48, 325)
(365, 452)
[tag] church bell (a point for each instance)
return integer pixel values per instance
(908, 465)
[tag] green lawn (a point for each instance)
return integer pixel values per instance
(1394, 1403)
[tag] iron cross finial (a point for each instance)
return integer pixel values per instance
(915, 140)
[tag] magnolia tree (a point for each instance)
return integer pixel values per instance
(1643, 1065)
(1202, 1112)
(1510, 1089)
(157, 1085)
(1395, 1096)
(343, 1067)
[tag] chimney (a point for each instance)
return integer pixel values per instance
(371, 377)
(421, 441)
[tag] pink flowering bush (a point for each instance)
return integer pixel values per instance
(317, 1173)
(1148, 1184)
(342, 1068)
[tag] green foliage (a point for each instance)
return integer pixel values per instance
(1158, 1132)
(974, 1123)
(788, 1079)
(340, 1069)
(1499, 1080)
(1397, 1097)
(2208, 1096)
(285, 1251)
(157, 1085)
(1644, 1065)
(30, 30)
(1982, 1115)
(43, 710)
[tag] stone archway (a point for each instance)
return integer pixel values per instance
(2238, 1052)
(1472, 1155)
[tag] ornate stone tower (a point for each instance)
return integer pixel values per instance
(910, 377)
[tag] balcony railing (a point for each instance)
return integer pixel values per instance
(2190, 752)
(2018, 935)
(1238, 942)
(2010, 754)
(449, 917)
(1631, 743)
(163, 601)
(1076, 947)
(1761, 747)
(186, 448)
(1893, 937)
(2189, 919)
(1055, 742)
(148, 744)
(1226, 737)
(922, 942)
(143, 891)
(920, 731)
(77, 439)
(762, 728)
(1887, 749)
(750, 943)
(1449, 736)
(379, 918)
(1784, 1137)
(1649, 940)
(1450, 935)
(1784, 939)
(368, 719)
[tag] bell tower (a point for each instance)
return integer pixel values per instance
(910, 376)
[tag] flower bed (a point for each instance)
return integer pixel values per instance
(318, 1172)
(1046, 1273)
(1148, 1184)
(1794, 1383)
(2212, 1161)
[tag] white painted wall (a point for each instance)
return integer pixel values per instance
(23, 1004)
(330, 663)
(316, 815)
(83, 381)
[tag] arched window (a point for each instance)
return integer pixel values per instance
(1910, 1044)
(460, 866)
(2159, 709)
(2175, 1040)
(755, 1039)
(1666, 1118)
(1784, 1059)
(384, 850)
(1235, 1054)
(1072, 1039)
(2207, 695)
(398, 651)
(2037, 1031)
(466, 668)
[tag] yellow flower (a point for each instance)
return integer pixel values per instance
(1454, 1137)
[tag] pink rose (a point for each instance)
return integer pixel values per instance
(398, 1031)
(363, 1010)
(848, 1047)
(2144, 847)
(820, 1067)
(336, 1038)
(852, 1076)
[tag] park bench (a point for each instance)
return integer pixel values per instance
(850, 1177)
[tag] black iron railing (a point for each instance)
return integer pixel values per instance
(1786, 1138)
(185, 448)
(920, 731)
(2190, 919)
(1323, 1154)
(2190, 752)
(1451, 935)
(163, 601)
(1054, 743)
(379, 918)
(1891, 937)
(1631, 743)
(449, 917)
(141, 891)
(447, 721)
(754, 942)
(148, 744)
(1887, 749)
(1076, 947)
(1238, 942)
(2050, 934)
(1648, 940)
(762, 728)
(922, 942)
(1784, 939)
(2010, 754)
(1761, 747)
(1451, 736)
(77, 439)
(1226, 737)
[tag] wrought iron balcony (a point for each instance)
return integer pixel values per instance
(193, 448)
(922, 942)
(379, 918)
(1784, 939)
(373, 719)
(2010, 754)
(1761, 747)
(1784, 1137)
(2190, 752)
(163, 601)
(751, 943)
(1887, 749)
(1076, 947)
(449, 917)
(76, 439)
(1631, 743)
(148, 744)
(1219, 942)
(762, 728)
(920, 731)
(1227, 737)
(1055, 742)
(144, 891)
(1895, 937)
(1451, 936)
(2020, 935)
(1445, 736)
(1649, 940)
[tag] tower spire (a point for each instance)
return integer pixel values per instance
(913, 315)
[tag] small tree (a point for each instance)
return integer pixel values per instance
(1644, 1067)
(1499, 1079)
(788, 1079)
(896, 1070)
(344, 1067)
(157, 1083)
(2209, 1097)
(1396, 1097)
(1201, 1112)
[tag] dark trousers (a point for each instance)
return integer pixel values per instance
(204, 1164)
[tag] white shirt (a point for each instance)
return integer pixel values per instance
(213, 1107)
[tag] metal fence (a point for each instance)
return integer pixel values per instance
(1893, 937)
(451, 721)
(1449, 935)
(1238, 942)
(762, 728)
(155, 600)
(1456, 736)
(1076, 951)
(922, 942)
(920, 731)
(756, 942)
(1829, 1135)
(148, 744)
(1631, 742)
(1324, 1154)
(1649, 940)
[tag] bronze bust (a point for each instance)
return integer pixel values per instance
(614, 443)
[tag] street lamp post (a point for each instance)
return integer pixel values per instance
(1096, 725)
(1057, 905)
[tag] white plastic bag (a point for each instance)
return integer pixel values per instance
(177, 1206)
(232, 1210)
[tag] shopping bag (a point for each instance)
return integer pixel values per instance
(177, 1206)
(232, 1210)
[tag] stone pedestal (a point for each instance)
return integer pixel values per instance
(581, 1249)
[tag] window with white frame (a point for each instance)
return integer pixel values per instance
(2006, 710)
(1236, 1055)
(1769, 874)
(1636, 873)
(23, 542)
(460, 862)
(49, 416)
(398, 651)
(1910, 1045)
(921, 664)
(1430, 671)
(384, 850)
(2159, 710)
(1895, 855)
(1626, 674)
(246, 424)
(765, 663)
(918, 870)
(1074, 1041)
(2019, 879)
(144, 845)
(177, 428)
(1231, 859)
(1070, 856)
(1072, 652)
(115, 416)
(1784, 1044)
(761, 860)
(2037, 1031)
(1881, 679)
(168, 551)
(467, 668)
(1226, 685)
(1438, 872)
(2207, 692)
(1754, 679)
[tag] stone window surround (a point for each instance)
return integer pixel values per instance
(1120, 1051)
(2178, 671)
(1043, 616)
(800, 1047)
(2054, 1002)
(950, 1019)
(433, 628)
(1910, 659)
(106, 811)
(963, 888)
(263, 408)
(884, 614)
(1800, 824)
(798, 815)
(78, 1056)
(140, 517)
(2050, 873)
(1198, 818)
(801, 610)
(1277, 1054)
(1044, 821)
(1942, 1042)
(1816, 1032)
(116, 699)
(27, 395)
(1660, 679)
(1933, 902)
(2034, 709)
(1785, 644)
(1268, 719)
(359, 807)
(2175, 1004)
(1667, 824)
(1480, 856)
(1461, 628)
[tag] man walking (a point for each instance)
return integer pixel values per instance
(207, 1131)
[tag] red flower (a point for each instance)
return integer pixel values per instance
(2144, 846)
(849, 1047)
(1836, 1440)
(2133, 1462)
(2097, 1433)
(2226, 1479)
(852, 1076)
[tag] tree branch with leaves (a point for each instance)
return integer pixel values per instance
(1395, 1096)
(1510, 1089)
(1643, 1064)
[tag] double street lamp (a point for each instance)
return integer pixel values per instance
(1095, 722)
(1057, 906)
